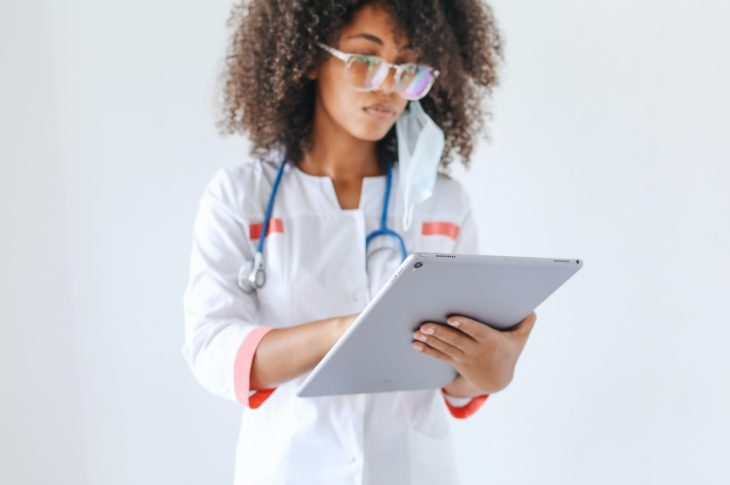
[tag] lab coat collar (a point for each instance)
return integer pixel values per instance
(371, 194)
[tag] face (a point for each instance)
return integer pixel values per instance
(364, 115)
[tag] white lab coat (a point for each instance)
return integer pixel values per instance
(316, 268)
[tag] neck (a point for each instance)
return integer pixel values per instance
(335, 153)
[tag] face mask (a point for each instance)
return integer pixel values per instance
(420, 144)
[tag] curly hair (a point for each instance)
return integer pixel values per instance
(268, 97)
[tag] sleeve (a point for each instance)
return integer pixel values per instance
(220, 338)
(463, 407)
(467, 243)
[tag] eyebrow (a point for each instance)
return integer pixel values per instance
(375, 39)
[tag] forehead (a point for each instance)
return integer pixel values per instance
(374, 24)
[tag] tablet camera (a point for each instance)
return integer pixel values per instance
(418, 265)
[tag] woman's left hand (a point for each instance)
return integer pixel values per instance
(484, 357)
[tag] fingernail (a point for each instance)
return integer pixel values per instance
(427, 330)
(454, 322)
(417, 345)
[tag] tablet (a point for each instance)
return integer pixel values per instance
(375, 353)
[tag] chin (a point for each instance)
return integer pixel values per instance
(370, 133)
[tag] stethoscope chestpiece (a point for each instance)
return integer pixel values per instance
(258, 278)
(252, 277)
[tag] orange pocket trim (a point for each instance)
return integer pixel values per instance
(440, 228)
(275, 225)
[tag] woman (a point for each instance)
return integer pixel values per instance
(304, 82)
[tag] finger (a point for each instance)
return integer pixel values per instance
(473, 328)
(526, 325)
(430, 351)
(451, 336)
(438, 344)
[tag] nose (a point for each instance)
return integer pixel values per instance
(389, 85)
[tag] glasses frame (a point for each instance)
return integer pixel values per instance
(399, 69)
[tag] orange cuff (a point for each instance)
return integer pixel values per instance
(463, 412)
(242, 370)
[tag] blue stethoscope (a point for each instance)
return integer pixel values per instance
(252, 276)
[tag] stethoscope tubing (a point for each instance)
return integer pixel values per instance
(270, 208)
(258, 264)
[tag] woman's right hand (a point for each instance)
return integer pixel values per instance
(285, 353)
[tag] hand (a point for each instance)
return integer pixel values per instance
(484, 357)
(285, 353)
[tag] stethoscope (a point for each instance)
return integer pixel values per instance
(252, 276)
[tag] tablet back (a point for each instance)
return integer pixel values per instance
(375, 354)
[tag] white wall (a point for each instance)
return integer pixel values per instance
(607, 145)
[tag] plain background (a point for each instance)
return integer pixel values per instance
(609, 143)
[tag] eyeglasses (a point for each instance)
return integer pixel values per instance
(367, 73)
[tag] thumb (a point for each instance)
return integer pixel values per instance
(526, 325)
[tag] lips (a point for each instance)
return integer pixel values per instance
(380, 110)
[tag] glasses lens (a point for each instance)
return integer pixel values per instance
(366, 72)
(415, 81)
